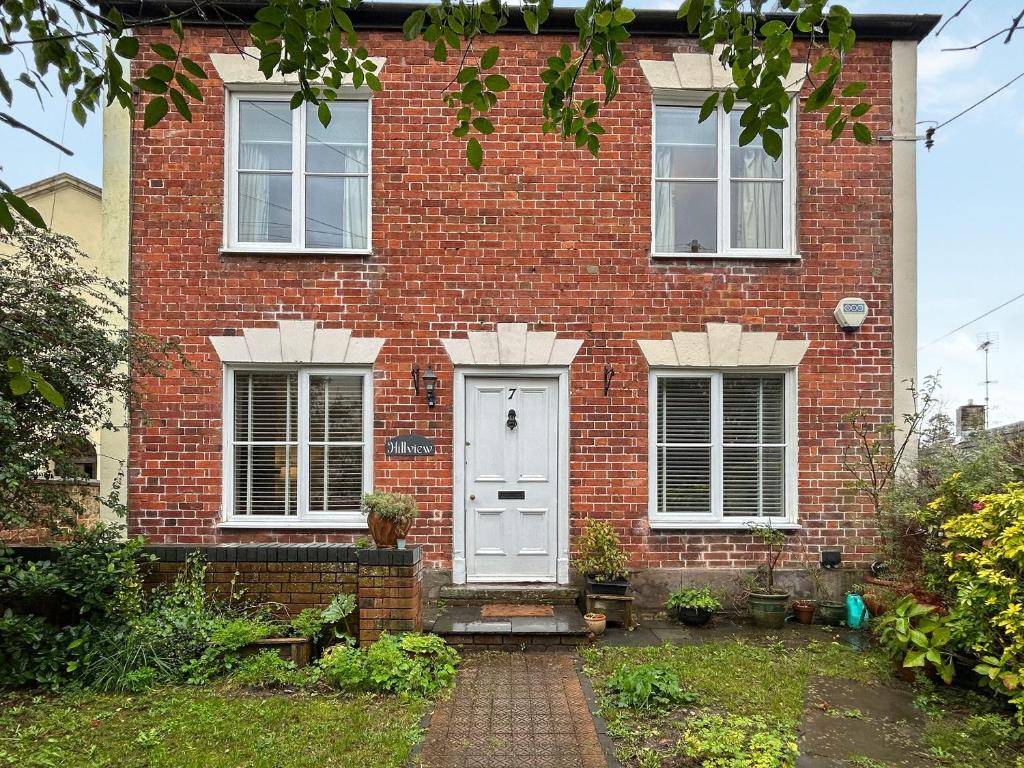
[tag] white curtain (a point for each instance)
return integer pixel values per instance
(664, 213)
(354, 234)
(253, 196)
(757, 205)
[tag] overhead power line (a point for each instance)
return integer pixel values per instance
(972, 321)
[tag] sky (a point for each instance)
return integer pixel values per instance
(970, 203)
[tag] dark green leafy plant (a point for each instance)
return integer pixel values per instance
(601, 555)
(647, 687)
(915, 635)
(267, 669)
(321, 625)
(774, 541)
(696, 597)
(408, 664)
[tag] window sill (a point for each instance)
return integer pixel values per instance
(264, 523)
(752, 256)
(292, 252)
(733, 527)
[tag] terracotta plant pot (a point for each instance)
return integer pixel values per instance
(386, 533)
(804, 612)
(768, 611)
(596, 622)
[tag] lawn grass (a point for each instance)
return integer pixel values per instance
(750, 702)
(207, 728)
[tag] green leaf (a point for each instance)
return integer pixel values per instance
(854, 89)
(772, 143)
(474, 153)
(693, 14)
(373, 81)
(323, 114)
(180, 104)
(160, 72)
(30, 214)
(530, 20)
(496, 83)
(483, 125)
(915, 659)
(623, 15)
(127, 47)
(15, 364)
(440, 51)
(154, 112)
(175, 25)
(466, 74)
(164, 51)
(708, 107)
(490, 57)
(6, 220)
(47, 390)
(188, 86)
(862, 133)
(860, 110)
(20, 384)
(413, 26)
(192, 68)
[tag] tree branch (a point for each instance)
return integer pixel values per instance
(17, 124)
(989, 39)
(947, 21)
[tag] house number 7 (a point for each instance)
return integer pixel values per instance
(512, 392)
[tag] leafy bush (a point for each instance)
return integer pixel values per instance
(695, 597)
(398, 507)
(985, 558)
(324, 624)
(268, 670)
(915, 636)
(648, 687)
(408, 664)
(601, 555)
(729, 741)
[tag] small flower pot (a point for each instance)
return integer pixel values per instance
(832, 614)
(768, 611)
(695, 617)
(596, 623)
(616, 587)
(804, 611)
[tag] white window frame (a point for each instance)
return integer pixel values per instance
(303, 518)
(724, 231)
(297, 245)
(714, 518)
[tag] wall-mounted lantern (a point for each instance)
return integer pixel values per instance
(429, 386)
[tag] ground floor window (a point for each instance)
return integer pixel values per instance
(722, 448)
(298, 445)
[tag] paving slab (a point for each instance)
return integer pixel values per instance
(844, 720)
(514, 710)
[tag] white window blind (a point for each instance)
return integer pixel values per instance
(299, 448)
(293, 183)
(722, 448)
(713, 197)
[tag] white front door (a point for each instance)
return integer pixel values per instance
(511, 493)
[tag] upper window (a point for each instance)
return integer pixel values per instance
(713, 197)
(722, 448)
(299, 447)
(293, 184)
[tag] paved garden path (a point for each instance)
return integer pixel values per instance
(514, 710)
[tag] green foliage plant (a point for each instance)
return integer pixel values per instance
(322, 625)
(701, 598)
(400, 508)
(649, 687)
(735, 741)
(267, 669)
(601, 555)
(774, 541)
(915, 635)
(408, 665)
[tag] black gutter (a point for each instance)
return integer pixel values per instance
(391, 15)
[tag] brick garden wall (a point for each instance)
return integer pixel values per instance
(545, 235)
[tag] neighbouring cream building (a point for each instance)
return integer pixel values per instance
(74, 207)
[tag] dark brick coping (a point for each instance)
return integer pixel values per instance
(262, 553)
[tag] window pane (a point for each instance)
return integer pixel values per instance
(753, 481)
(335, 409)
(756, 212)
(753, 409)
(264, 207)
(685, 147)
(264, 136)
(335, 478)
(684, 480)
(266, 455)
(686, 217)
(684, 410)
(336, 212)
(342, 146)
(750, 161)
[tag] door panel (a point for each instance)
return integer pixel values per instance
(511, 493)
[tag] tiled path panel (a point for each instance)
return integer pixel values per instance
(514, 710)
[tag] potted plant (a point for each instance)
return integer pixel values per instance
(596, 622)
(694, 606)
(389, 516)
(767, 604)
(803, 610)
(830, 612)
(602, 560)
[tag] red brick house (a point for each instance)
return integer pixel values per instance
(646, 337)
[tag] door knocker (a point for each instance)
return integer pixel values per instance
(511, 422)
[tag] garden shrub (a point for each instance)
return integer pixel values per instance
(267, 669)
(730, 741)
(408, 664)
(648, 687)
(321, 625)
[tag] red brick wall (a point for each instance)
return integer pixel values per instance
(544, 235)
